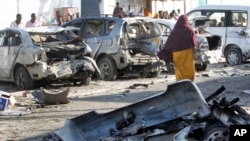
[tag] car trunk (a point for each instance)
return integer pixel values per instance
(142, 38)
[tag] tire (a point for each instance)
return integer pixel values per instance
(170, 68)
(234, 57)
(216, 132)
(86, 81)
(108, 69)
(23, 80)
(200, 67)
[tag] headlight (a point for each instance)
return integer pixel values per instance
(87, 50)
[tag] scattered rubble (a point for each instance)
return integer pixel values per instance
(51, 96)
(179, 112)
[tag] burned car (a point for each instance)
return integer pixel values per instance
(180, 113)
(206, 43)
(45, 53)
(121, 46)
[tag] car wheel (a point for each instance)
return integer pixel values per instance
(22, 79)
(86, 81)
(200, 67)
(233, 56)
(216, 132)
(170, 68)
(108, 69)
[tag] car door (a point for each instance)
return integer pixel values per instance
(93, 32)
(237, 22)
(9, 49)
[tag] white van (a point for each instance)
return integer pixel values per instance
(231, 22)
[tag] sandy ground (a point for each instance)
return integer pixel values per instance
(106, 96)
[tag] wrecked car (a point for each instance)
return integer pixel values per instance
(45, 53)
(121, 46)
(206, 42)
(231, 22)
(180, 113)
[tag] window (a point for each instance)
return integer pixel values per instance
(238, 18)
(217, 18)
(166, 30)
(111, 25)
(74, 27)
(93, 28)
(14, 39)
(3, 39)
(194, 14)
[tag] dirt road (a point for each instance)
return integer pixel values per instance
(105, 96)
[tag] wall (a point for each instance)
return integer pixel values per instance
(43, 9)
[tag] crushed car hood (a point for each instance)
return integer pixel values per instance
(180, 99)
(57, 42)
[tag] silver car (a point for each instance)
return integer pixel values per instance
(121, 46)
(48, 53)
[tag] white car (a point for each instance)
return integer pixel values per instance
(48, 53)
(231, 22)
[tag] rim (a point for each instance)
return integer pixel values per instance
(220, 134)
(232, 58)
(20, 80)
(104, 68)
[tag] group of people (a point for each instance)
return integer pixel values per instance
(31, 23)
(166, 15)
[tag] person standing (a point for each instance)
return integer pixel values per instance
(165, 15)
(33, 22)
(175, 16)
(181, 43)
(178, 12)
(116, 12)
(17, 23)
(129, 12)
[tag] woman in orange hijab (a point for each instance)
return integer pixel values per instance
(181, 43)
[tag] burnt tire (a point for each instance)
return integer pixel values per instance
(23, 80)
(234, 57)
(216, 132)
(200, 67)
(170, 68)
(108, 69)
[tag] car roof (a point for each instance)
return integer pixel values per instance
(127, 19)
(221, 7)
(45, 29)
(24, 35)
(22, 31)
(169, 22)
(95, 17)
